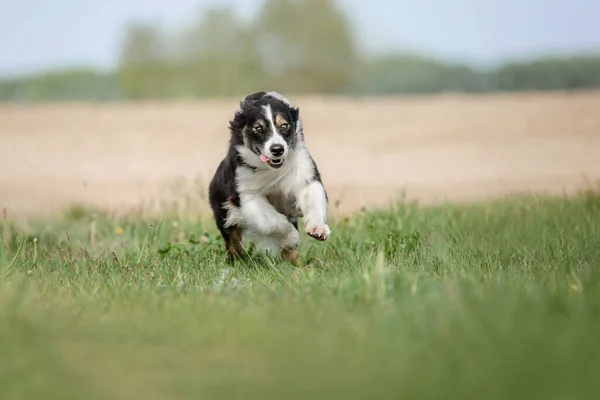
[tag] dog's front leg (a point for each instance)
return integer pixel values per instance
(313, 203)
(263, 219)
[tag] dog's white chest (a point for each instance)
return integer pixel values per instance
(286, 205)
(285, 184)
(281, 188)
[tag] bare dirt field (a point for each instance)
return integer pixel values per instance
(370, 151)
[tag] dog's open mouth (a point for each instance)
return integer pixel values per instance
(272, 162)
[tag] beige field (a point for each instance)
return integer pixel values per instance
(370, 151)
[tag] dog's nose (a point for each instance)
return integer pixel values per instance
(276, 150)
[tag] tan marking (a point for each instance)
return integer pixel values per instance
(279, 120)
(236, 245)
(289, 255)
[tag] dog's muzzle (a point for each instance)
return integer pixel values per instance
(276, 153)
(272, 162)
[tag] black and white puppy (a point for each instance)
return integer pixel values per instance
(268, 180)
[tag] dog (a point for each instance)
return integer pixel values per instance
(267, 181)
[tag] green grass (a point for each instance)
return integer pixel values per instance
(494, 301)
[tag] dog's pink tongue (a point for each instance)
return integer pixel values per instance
(264, 158)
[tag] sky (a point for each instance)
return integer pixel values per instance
(38, 35)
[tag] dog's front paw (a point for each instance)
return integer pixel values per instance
(292, 239)
(317, 231)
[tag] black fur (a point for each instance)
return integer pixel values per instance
(251, 111)
(223, 188)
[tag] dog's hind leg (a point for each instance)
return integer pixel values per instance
(290, 255)
(234, 242)
(272, 246)
(266, 223)
(233, 238)
(231, 231)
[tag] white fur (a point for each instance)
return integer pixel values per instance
(313, 203)
(291, 187)
(276, 138)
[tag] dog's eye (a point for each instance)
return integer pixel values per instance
(284, 127)
(258, 129)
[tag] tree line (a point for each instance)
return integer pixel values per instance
(293, 46)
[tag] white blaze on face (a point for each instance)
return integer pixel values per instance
(276, 138)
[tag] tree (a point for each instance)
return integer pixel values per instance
(414, 73)
(219, 55)
(550, 74)
(141, 45)
(142, 62)
(306, 45)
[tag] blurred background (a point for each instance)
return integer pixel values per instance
(134, 49)
(352, 66)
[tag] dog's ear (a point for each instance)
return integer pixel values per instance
(239, 121)
(295, 111)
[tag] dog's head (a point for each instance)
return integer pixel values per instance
(268, 126)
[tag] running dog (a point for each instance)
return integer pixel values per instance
(267, 181)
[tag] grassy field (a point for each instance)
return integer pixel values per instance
(497, 301)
